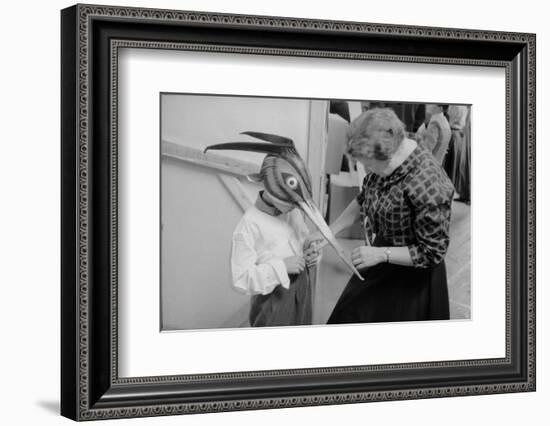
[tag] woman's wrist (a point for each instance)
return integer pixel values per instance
(397, 255)
(383, 255)
(387, 254)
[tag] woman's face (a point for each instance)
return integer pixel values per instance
(369, 161)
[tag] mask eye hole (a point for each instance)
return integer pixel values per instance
(292, 182)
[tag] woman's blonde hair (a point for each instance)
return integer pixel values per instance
(376, 133)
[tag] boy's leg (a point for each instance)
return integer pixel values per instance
(275, 309)
(304, 308)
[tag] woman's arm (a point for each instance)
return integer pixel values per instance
(432, 211)
(432, 234)
(432, 216)
(398, 256)
(366, 256)
(432, 225)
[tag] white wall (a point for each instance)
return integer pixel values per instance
(199, 121)
(29, 225)
(198, 217)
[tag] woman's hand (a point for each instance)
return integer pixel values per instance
(294, 264)
(366, 256)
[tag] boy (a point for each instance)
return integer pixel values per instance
(268, 262)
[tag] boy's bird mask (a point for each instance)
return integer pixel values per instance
(286, 178)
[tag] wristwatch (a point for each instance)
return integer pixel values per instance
(387, 252)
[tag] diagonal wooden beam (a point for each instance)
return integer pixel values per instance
(210, 160)
(237, 191)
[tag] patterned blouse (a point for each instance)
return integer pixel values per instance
(411, 207)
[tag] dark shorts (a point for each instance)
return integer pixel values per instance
(292, 306)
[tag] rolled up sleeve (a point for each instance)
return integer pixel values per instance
(432, 218)
(432, 236)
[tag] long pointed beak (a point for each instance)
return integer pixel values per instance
(316, 218)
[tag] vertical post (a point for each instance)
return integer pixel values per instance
(316, 149)
(316, 157)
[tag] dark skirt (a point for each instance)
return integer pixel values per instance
(292, 306)
(461, 177)
(450, 157)
(394, 293)
(457, 163)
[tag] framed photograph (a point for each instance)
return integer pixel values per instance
(263, 212)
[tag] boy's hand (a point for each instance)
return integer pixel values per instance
(317, 238)
(312, 253)
(294, 264)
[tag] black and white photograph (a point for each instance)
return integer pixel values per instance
(278, 212)
(275, 213)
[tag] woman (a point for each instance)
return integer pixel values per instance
(405, 208)
(458, 166)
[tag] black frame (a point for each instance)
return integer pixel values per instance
(90, 387)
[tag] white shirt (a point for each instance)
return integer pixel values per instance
(260, 243)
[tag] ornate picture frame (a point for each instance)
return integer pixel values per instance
(91, 37)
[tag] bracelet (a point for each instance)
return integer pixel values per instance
(387, 252)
